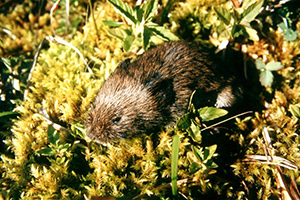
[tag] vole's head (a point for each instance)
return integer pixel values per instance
(122, 113)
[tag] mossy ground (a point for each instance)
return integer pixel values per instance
(41, 162)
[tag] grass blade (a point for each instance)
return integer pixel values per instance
(174, 163)
(8, 114)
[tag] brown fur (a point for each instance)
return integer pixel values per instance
(153, 91)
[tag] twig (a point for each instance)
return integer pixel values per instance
(42, 113)
(51, 13)
(282, 184)
(61, 41)
(94, 21)
(67, 15)
(236, 3)
(272, 160)
(9, 33)
(287, 193)
(268, 144)
(32, 68)
(226, 120)
(35, 59)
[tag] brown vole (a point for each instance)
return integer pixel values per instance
(153, 91)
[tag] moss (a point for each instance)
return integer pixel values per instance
(193, 20)
(64, 88)
(44, 165)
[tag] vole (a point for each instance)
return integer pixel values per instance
(153, 91)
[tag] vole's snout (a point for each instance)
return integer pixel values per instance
(97, 134)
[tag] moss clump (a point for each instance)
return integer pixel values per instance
(193, 20)
(62, 86)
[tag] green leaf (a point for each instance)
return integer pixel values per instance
(209, 151)
(60, 160)
(225, 34)
(195, 132)
(166, 10)
(198, 153)
(53, 135)
(260, 64)
(236, 16)
(124, 10)
(174, 163)
(112, 23)
(252, 34)
(149, 8)
(139, 14)
(78, 130)
(224, 14)
(118, 33)
(128, 42)
(6, 62)
(211, 113)
(274, 66)
(283, 26)
(252, 11)
(194, 167)
(266, 78)
(64, 147)
(162, 32)
(184, 122)
(191, 107)
(239, 30)
(210, 164)
(290, 35)
(146, 38)
(295, 110)
(46, 152)
(137, 44)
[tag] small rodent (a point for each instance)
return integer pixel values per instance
(153, 91)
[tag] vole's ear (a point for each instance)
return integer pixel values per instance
(163, 91)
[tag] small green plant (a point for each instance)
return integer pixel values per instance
(13, 77)
(59, 158)
(137, 30)
(235, 23)
(288, 33)
(266, 76)
(57, 148)
(191, 123)
(54, 146)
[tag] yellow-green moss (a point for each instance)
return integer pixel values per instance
(63, 86)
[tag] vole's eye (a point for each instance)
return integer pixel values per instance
(116, 119)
